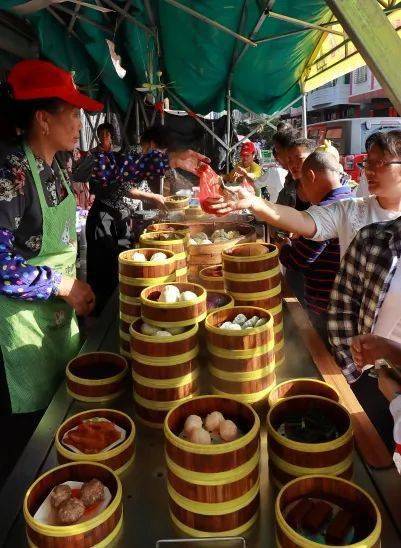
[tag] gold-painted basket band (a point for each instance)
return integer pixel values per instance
(254, 277)
(248, 258)
(214, 508)
(136, 335)
(296, 471)
(242, 376)
(205, 534)
(146, 282)
(241, 354)
(182, 323)
(166, 383)
(161, 405)
(254, 397)
(216, 478)
(261, 295)
(129, 300)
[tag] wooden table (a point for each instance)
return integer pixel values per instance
(146, 518)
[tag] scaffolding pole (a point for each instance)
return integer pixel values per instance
(304, 116)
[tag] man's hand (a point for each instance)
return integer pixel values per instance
(366, 349)
(158, 200)
(77, 294)
(223, 206)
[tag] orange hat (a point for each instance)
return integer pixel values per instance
(37, 79)
(248, 148)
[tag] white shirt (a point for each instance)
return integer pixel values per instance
(345, 218)
(388, 322)
(273, 180)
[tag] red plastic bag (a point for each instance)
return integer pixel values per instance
(209, 186)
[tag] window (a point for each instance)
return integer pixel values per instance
(335, 135)
(361, 75)
(347, 79)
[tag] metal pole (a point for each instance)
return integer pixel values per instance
(278, 36)
(58, 7)
(306, 24)
(199, 120)
(228, 130)
(376, 40)
(304, 116)
(137, 122)
(209, 21)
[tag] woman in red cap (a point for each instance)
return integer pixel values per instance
(247, 170)
(39, 292)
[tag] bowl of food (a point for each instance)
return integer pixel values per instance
(76, 504)
(99, 435)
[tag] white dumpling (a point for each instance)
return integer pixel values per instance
(148, 329)
(158, 256)
(188, 296)
(200, 436)
(231, 326)
(240, 319)
(247, 325)
(200, 236)
(205, 242)
(228, 430)
(213, 420)
(192, 241)
(163, 333)
(233, 234)
(192, 422)
(220, 233)
(169, 294)
(253, 320)
(260, 322)
(139, 257)
(176, 330)
(219, 240)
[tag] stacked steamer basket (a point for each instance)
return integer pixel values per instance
(213, 489)
(211, 278)
(241, 363)
(177, 242)
(134, 276)
(164, 369)
(252, 276)
(309, 435)
(164, 348)
(209, 254)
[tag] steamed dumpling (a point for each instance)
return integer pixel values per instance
(233, 234)
(188, 296)
(205, 242)
(247, 325)
(176, 330)
(193, 422)
(158, 256)
(200, 436)
(240, 319)
(170, 294)
(253, 320)
(148, 329)
(230, 326)
(228, 430)
(192, 241)
(260, 322)
(213, 420)
(139, 257)
(200, 236)
(163, 333)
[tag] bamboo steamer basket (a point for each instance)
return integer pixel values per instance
(180, 314)
(99, 531)
(210, 281)
(165, 372)
(302, 387)
(135, 275)
(200, 256)
(168, 227)
(213, 489)
(241, 363)
(84, 382)
(178, 247)
(118, 458)
(174, 204)
(289, 459)
(341, 492)
(250, 258)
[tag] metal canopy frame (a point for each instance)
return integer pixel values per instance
(354, 16)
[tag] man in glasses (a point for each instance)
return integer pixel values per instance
(344, 218)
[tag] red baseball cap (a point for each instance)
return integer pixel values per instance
(37, 79)
(248, 148)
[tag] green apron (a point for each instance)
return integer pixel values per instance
(37, 339)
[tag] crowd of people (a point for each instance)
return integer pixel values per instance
(341, 252)
(347, 250)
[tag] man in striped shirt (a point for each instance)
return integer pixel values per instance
(318, 261)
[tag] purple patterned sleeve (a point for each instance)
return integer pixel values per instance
(20, 280)
(154, 163)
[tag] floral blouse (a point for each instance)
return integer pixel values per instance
(115, 174)
(21, 214)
